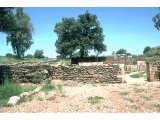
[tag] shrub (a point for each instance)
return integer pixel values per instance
(124, 93)
(51, 98)
(138, 90)
(94, 100)
(137, 75)
(29, 56)
(9, 55)
(28, 88)
(147, 97)
(36, 79)
(9, 88)
(48, 87)
(39, 54)
(58, 88)
(157, 106)
(65, 62)
(6, 60)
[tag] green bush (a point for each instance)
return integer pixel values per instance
(124, 93)
(29, 56)
(48, 87)
(58, 88)
(157, 106)
(137, 75)
(39, 54)
(36, 79)
(9, 55)
(9, 88)
(94, 100)
(65, 62)
(28, 88)
(6, 60)
(3, 102)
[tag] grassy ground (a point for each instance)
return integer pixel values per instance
(137, 75)
(11, 88)
(94, 100)
(50, 87)
(6, 60)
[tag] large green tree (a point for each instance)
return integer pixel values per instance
(156, 20)
(83, 34)
(39, 54)
(21, 36)
(90, 34)
(67, 40)
(6, 19)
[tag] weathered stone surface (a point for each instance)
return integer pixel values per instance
(153, 72)
(24, 94)
(13, 100)
(42, 95)
(37, 89)
(87, 74)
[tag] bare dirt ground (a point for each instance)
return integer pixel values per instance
(137, 95)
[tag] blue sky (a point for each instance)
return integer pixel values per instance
(128, 28)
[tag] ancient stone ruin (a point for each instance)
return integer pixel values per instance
(153, 71)
(106, 73)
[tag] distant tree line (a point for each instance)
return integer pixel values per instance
(38, 54)
(123, 51)
(148, 51)
(154, 51)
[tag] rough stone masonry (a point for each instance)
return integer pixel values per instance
(153, 71)
(25, 72)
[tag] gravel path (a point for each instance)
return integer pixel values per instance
(137, 96)
(131, 80)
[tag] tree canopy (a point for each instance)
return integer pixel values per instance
(146, 49)
(154, 51)
(20, 36)
(156, 20)
(39, 54)
(121, 51)
(83, 34)
(6, 19)
(67, 40)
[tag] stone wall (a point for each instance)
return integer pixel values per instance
(153, 71)
(85, 74)
(134, 68)
(90, 63)
(25, 72)
(89, 74)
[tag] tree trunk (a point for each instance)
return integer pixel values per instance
(82, 52)
(18, 52)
